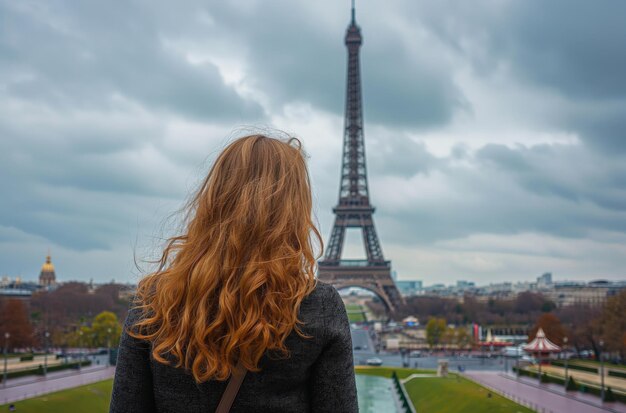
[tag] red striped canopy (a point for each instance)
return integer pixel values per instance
(541, 344)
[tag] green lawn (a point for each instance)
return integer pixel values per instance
(92, 398)
(447, 395)
(455, 394)
(355, 313)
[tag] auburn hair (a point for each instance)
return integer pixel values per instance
(230, 287)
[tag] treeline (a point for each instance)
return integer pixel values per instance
(64, 313)
(72, 304)
(523, 310)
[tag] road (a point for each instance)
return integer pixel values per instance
(364, 348)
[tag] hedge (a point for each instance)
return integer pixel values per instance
(29, 357)
(619, 374)
(575, 366)
(583, 388)
(39, 370)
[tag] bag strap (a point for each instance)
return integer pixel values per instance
(232, 388)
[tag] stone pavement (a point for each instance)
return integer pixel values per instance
(544, 398)
(26, 387)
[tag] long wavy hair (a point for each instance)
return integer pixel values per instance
(230, 287)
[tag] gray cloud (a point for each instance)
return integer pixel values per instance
(571, 49)
(572, 46)
(558, 190)
(89, 55)
(300, 56)
(109, 114)
(394, 154)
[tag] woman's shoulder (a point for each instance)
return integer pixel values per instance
(323, 293)
(324, 301)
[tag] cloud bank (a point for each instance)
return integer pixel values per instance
(494, 130)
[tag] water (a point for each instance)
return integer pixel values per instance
(375, 394)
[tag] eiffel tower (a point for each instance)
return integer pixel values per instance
(354, 209)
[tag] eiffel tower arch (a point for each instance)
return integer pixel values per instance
(354, 209)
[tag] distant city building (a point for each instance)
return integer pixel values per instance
(545, 280)
(563, 293)
(16, 288)
(464, 285)
(594, 293)
(409, 287)
(47, 277)
(16, 293)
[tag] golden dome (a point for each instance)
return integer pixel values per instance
(48, 266)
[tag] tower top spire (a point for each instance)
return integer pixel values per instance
(353, 18)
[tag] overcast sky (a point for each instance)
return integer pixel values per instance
(495, 130)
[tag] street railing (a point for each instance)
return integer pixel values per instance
(513, 397)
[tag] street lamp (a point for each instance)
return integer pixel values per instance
(45, 356)
(6, 348)
(602, 371)
(506, 363)
(109, 346)
(80, 348)
(93, 343)
(565, 355)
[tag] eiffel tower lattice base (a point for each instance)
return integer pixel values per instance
(358, 273)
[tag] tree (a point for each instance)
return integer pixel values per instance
(100, 328)
(613, 324)
(584, 328)
(463, 338)
(15, 321)
(435, 330)
(76, 339)
(571, 385)
(550, 325)
(59, 309)
(448, 337)
(97, 335)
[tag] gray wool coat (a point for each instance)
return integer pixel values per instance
(318, 377)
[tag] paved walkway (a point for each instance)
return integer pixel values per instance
(417, 376)
(52, 375)
(25, 388)
(547, 398)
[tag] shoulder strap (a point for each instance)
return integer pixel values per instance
(232, 388)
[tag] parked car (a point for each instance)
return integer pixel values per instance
(374, 361)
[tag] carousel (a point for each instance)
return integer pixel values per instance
(541, 348)
(490, 342)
